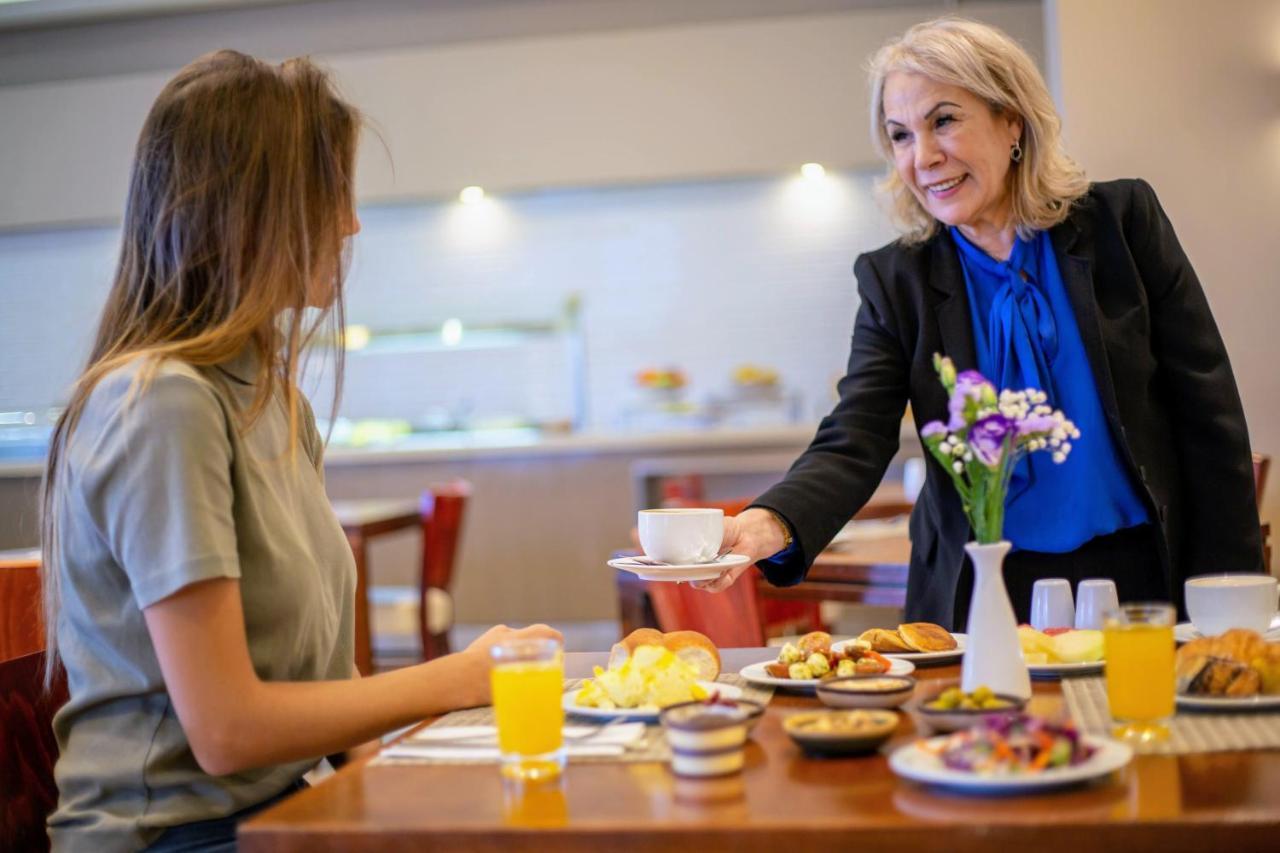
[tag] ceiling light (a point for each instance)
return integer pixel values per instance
(813, 170)
(471, 195)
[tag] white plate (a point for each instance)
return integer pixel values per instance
(728, 691)
(756, 674)
(1185, 632)
(1059, 670)
(923, 657)
(683, 572)
(920, 765)
(1223, 703)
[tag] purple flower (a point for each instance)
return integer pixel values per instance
(970, 385)
(933, 429)
(987, 438)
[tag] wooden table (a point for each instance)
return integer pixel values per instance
(782, 801)
(21, 610)
(362, 521)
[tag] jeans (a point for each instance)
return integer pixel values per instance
(217, 835)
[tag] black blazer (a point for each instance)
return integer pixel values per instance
(1156, 354)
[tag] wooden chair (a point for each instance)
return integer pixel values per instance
(443, 508)
(21, 612)
(1261, 467)
(28, 751)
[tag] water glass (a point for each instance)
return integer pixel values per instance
(527, 681)
(1139, 669)
(1051, 604)
(1094, 598)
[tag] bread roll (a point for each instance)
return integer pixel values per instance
(884, 640)
(815, 641)
(639, 637)
(926, 637)
(697, 650)
(693, 648)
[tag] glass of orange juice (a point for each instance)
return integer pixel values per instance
(1139, 667)
(527, 681)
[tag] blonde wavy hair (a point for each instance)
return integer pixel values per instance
(240, 200)
(995, 68)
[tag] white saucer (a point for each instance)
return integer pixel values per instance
(569, 703)
(683, 571)
(1185, 632)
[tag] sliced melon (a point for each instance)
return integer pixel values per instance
(1078, 646)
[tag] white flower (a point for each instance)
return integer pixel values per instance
(1066, 447)
(1059, 457)
(958, 467)
(968, 456)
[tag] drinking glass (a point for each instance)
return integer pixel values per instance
(1139, 669)
(527, 680)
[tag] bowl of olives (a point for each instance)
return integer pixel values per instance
(953, 709)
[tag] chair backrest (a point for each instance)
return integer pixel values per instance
(21, 611)
(28, 751)
(1261, 467)
(730, 619)
(443, 507)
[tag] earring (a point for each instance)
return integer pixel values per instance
(1015, 153)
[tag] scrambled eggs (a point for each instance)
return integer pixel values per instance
(651, 678)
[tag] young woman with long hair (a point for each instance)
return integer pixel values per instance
(198, 588)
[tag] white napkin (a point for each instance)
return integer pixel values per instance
(480, 743)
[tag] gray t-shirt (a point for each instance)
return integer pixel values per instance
(162, 491)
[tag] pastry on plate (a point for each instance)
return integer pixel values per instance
(926, 637)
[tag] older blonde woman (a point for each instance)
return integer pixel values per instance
(1013, 264)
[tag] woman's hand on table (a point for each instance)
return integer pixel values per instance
(755, 533)
(478, 654)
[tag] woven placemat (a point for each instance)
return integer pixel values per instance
(652, 746)
(1189, 731)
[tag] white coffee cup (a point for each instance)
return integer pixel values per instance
(1218, 603)
(681, 536)
(1095, 597)
(1051, 604)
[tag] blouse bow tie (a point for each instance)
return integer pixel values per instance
(1024, 336)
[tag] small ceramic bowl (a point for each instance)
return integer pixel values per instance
(866, 691)
(841, 732)
(956, 719)
(706, 739)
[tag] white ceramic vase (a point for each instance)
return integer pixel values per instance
(992, 656)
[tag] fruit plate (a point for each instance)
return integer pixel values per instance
(1065, 670)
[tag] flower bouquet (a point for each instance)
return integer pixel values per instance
(985, 438)
(979, 447)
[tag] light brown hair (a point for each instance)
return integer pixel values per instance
(996, 69)
(240, 199)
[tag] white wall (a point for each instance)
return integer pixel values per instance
(1183, 93)
(670, 103)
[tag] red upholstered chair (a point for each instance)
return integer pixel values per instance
(775, 617)
(28, 751)
(443, 508)
(731, 619)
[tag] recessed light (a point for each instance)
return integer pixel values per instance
(471, 195)
(813, 170)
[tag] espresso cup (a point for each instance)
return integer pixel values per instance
(681, 536)
(1218, 603)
